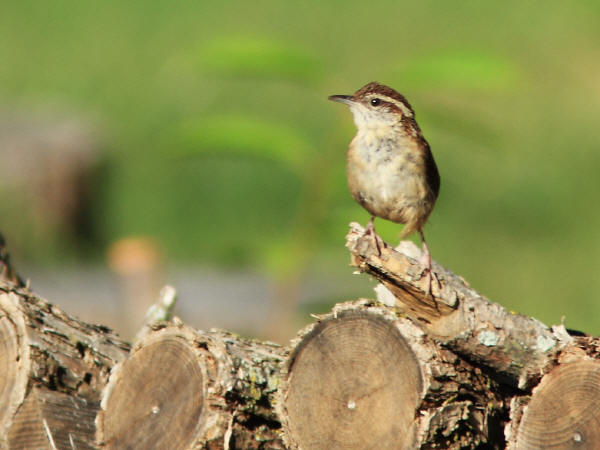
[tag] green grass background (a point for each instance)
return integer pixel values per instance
(221, 144)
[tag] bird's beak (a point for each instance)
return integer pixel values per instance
(346, 99)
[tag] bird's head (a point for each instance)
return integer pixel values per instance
(376, 105)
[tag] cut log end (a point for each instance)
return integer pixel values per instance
(156, 399)
(352, 382)
(52, 419)
(564, 412)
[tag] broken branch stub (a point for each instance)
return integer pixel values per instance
(519, 348)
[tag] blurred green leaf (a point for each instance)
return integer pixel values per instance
(246, 57)
(279, 257)
(245, 136)
(463, 68)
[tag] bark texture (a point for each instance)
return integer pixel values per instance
(46, 355)
(182, 388)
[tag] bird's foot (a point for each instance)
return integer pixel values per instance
(429, 274)
(370, 230)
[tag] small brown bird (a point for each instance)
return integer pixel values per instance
(391, 171)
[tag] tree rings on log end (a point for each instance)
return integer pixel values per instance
(156, 399)
(50, 419)
(564, 411)
(352, 382)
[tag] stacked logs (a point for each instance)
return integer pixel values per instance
(549, 377)
(449, 370)
(53, 368)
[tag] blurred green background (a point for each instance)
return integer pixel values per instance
(215, 138)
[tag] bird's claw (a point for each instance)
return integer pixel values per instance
(428, 270)
(370, 230)
(429, 276)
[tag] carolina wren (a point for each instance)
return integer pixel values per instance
(390, 169)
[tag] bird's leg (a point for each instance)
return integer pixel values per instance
(426, 262)
(371, 230)
(371, 225)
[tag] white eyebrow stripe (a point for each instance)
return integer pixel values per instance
(405, 110)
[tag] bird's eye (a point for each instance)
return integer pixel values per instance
(375, 101)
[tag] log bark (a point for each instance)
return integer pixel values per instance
(46, 355)
(517, 348)
(364, 376)
(183, 388)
